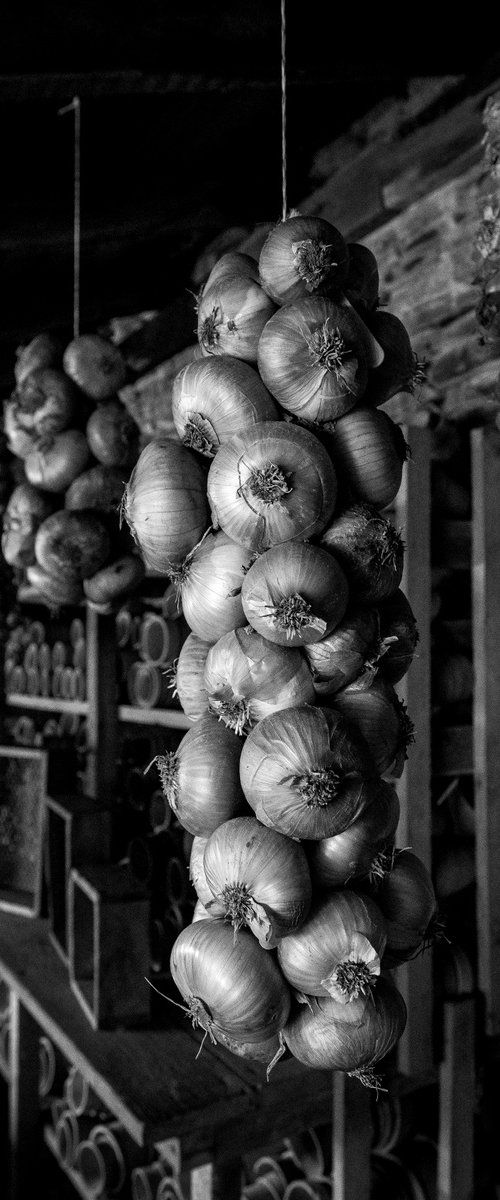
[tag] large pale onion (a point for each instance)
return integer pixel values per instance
(337, 949)
(272, 484)
(303, 256)
(247, 677)
(305, 772)
(165, 504)
(208, 585)
(260, 877)
(215, 398)
(294, 593)
(201, 778)
(312, 359)
(232, 311)
(370, 550)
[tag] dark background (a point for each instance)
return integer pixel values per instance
(181, 134)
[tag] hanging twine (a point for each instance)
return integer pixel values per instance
(75, 107)
(283, 112)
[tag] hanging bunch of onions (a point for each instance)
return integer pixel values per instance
(98, 487)
(349, 651)
(233, 309)
(46, 401)
(272, 484)
(303, 256)
(71, 544)
(369, 452)
(370, 551)
(201, 778)
(348, 1037)
(55, 461)
(189, 676)
(306, 772)
(113, 435)
(43, 350)
(294, 593)
(26, 508)
(399, 634)
(96, 365)
(361, 286)
(406, 896)
(208, 583)
(400, 370)
(165, 503)
(382, 719)
(232, 987)
(312, 358)
(365, 848)
(337, 949)
(247, 677)
(215, 398)
(260, 877)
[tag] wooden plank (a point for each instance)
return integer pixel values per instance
(457, 1098)
(412, 514)
(102, 718)
(171, 718)
(24, 1110)
(352, 1134)
(485, 462)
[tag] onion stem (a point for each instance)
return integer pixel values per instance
(267, 483)
(328, 349)
(291, 613)
(235, 712)
(382, 864)
(199, 435)
(167, 767)
(238, 904)
(354, 978)
(209, 334)
(318, 788)
(312, 261)
(368, 1078)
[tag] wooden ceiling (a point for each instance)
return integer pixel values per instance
(181, 137)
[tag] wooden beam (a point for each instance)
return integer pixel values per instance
(457, 1101)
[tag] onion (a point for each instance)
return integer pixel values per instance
(26, 508)
(44, 350)
(234, 988)
(400, 369)
(348, 1037)
(346, 652)
(398, 622)
(164, 503)
(96, 365)
(215, 398)
(271, 484)
(190, 675)
(260, 877)
(368, 451)
(361, 286)
(370, 551)
(201, 778)
(98, 487)
(54, 463)
(46, 401)
(364, 848)
(247, 677)
(405, 894)
(72, 544)
(337, 949)
(305, 772)
(115, 581)
(232, 262)
(302, 256)
(294, 593)
(208, 584)
(212, 906)
(232, 311)
(312, 358)
(381, 717)
(20, 441)
(113, 435)
(55, 589)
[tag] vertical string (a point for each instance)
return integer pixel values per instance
(284, 206)
(75, 107)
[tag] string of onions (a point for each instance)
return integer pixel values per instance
(348, 1037)
(405, 895)
(294, 593)
(303, 256)
(215, 398)
(188, 680)
(232, 311)
(381, 717)
(165, 504)
(247, 677)
(201, 778)
(208, 585)
(306, 772)
(260, 877)
(365, 848)
(370, 551)
(273, 483)
(369, 452)
(337, 949)
(232, 987)
(352, 649)
(312, 359)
